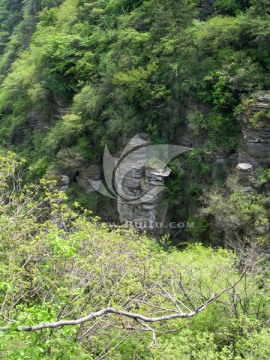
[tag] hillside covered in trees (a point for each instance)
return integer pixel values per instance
(78, 77)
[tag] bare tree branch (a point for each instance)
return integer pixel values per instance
(154, 338)
(109, 310)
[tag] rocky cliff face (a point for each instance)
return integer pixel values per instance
(142, 174)
(138, 188)
(150, 214)
(242, 180)
(146, 208)
(72, 163)
(253, 153)
(254, 147)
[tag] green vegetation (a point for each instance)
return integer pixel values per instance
(59, 265)
(122, 67)
(76, 75)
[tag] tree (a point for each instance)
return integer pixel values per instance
(60, 269)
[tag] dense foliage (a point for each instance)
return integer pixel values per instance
(79, 74)
(56, 264)
(123, 67)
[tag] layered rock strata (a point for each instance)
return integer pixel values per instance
(140, 201)
(255, 123)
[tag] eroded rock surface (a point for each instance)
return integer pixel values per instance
(255, 144)
(144, 205)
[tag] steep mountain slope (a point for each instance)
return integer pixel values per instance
(82, 74)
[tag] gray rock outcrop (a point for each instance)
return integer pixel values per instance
(62, 182)
(86, 174)
(71, 162)
(142, 204)
(255, 123)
